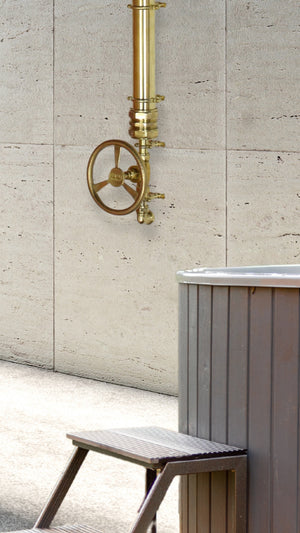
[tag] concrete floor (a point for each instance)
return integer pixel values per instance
(37, 408)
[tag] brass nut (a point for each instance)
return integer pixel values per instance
(116, 177)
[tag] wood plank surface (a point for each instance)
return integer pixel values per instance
(203, 503)
(218, 502)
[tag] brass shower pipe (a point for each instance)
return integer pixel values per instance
(143, 123)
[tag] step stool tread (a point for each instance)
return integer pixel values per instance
(152, 445)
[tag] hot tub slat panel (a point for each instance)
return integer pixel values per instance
(219, 403)
(285, 410)
(238, 367)
(203, 317)
(193, 397)
(193, 360)
(204, 362)
(260, 355)
(182, 393)
(184, 358)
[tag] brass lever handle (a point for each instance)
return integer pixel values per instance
(155, 195)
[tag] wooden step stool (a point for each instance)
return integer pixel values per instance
(165, 454)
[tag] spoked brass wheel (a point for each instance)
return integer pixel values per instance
(116, 178)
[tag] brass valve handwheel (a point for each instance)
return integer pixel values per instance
(117, 177)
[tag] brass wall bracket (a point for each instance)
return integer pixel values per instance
(142, 126)
(158, 98)
(157, 5)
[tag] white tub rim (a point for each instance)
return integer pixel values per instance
(286, 276)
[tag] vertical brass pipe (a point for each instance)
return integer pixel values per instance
(143, 114)
(143, 50)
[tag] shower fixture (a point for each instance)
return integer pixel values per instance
(142, 126)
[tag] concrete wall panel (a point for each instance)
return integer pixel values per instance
(26, 254)
(263, 75)
(26, 71)
(191, 74)
(264, 208)
(93, 71)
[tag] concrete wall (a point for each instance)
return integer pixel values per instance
(87, 293)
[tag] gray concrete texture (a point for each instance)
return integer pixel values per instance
(37, 408)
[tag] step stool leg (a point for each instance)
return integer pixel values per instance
(57, 496)
(154, 499)
(150, 479)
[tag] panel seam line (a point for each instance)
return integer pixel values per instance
(53, 186)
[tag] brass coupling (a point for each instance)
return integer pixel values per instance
(143, 124)
(143, 117)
